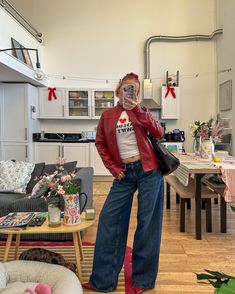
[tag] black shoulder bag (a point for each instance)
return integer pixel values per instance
(167, 161)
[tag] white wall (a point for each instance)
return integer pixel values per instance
(105, 39)
(225, 51)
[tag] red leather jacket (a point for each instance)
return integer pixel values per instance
(106, 141)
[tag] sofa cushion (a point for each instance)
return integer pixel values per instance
(51, 168)
(35, 176)
(41, 187)
(15, 175)
(6, 199)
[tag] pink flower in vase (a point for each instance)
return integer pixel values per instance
(65, 178)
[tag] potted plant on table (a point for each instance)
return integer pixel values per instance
(205, 134)
(62, 185)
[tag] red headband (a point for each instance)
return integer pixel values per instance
(131, 74)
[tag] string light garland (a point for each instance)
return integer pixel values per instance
(225, 70)
(114, 81)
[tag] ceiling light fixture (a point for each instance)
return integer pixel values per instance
(38, 73)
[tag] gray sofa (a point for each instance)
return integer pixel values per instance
(14, 202)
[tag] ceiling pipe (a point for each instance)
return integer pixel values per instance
(21, 19)
(172, 39)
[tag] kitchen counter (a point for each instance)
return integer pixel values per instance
(61, 137)
(64, 141)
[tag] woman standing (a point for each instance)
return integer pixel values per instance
(122, 143)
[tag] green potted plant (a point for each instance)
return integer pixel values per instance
(223, 284)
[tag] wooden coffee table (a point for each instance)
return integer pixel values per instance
(45, 229)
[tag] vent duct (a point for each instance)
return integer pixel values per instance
(148, 90)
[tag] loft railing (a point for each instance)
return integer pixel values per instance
(21, 19)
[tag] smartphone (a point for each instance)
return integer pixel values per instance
(129, 92)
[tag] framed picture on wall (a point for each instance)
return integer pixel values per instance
(27, 58)
(17, 53)
(225, 96)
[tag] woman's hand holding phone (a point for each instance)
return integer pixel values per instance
(129, 97)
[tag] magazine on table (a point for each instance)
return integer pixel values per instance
(16, 220)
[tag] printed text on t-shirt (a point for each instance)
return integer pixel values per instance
(124, 128)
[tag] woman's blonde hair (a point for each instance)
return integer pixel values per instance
(129, 76)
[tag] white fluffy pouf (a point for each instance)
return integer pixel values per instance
(22, 274)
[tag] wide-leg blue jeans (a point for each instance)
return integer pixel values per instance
(113, 229)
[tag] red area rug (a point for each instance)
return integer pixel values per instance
(124, 285)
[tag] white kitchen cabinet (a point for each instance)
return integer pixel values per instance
(73, 103)
(77, 151)
(170, 105)
(97, 163)
(15, 151)
(102, 99)
(18, 116)
(47, 152)
(84, 153)
(54, 108)
(50, 152)
(78, 103)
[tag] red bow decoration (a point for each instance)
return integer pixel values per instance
(51, 94)
(170, 90)
(131, 74)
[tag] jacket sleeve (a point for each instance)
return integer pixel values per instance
(145, 117)
(101, 146)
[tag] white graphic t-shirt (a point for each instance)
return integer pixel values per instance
(126, 139)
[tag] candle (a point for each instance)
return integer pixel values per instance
(53, 214)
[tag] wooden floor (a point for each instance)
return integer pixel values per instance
(181, 255)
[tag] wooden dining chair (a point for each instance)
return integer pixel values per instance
(219, 189)
(188, 193)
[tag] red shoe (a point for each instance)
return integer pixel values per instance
(138, 290)
(87, 286)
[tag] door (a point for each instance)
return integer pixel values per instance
(14, 113)
(78, 103)
(102, 99)
(97, 163)
(54, 108)
(76, 151)
(15, 151)
(47, 152)
(33, 111)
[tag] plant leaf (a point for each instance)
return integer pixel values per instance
(217, 284)
(233, 208)
(227, 288)
(205, 276)
(219, 275)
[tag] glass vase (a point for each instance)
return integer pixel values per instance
(54, 212)
(196, 145)
(207, 148)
